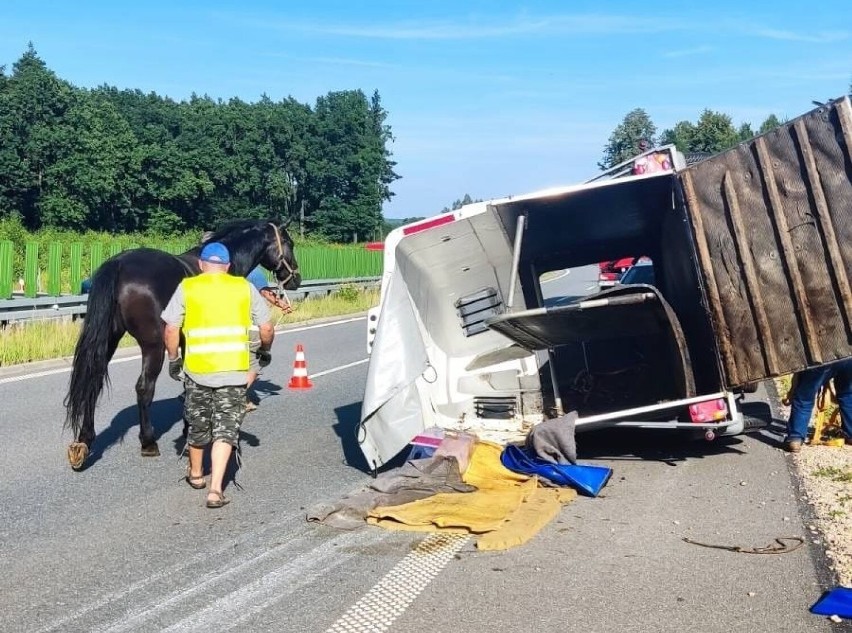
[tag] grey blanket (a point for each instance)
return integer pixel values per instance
(416, 479)
(553, 440)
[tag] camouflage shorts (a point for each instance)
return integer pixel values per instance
(213, 413)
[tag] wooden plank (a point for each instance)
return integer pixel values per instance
(831, 243)
(776, 211)
(845, 123)
(723, 332)
(752, 282)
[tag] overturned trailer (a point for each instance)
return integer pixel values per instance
(750, 250)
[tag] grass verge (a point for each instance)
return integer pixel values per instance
(42, 340)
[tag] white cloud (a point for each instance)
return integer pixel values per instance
(688, 52)
(553, 25)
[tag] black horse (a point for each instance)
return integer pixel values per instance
(128, 294)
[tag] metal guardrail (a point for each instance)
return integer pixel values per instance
(44, 307)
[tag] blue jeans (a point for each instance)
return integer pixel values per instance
(807, 388)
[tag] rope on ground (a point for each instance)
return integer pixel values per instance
(781, 545)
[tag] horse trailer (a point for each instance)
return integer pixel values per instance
(749, 249)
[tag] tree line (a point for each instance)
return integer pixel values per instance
(713, 132)
(121, 160)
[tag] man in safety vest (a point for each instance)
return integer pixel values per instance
(215, 310)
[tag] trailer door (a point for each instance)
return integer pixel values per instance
(771, 221)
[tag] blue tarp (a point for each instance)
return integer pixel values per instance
(584, 478)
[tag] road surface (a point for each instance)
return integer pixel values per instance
(126, 545)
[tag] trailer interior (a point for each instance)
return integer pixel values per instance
(628, 346)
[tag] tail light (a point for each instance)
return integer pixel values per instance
(709, 411)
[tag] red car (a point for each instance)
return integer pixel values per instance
(611, 271)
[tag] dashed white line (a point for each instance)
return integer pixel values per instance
(340, 368)
(60, 370)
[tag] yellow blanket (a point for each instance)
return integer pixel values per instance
(508, 508)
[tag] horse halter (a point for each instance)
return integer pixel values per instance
(282, 261)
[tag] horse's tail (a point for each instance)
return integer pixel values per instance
(94, 347)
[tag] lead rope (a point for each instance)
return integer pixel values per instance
(238, 458)
(781, 545)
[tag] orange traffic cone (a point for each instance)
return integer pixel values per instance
(300, 371)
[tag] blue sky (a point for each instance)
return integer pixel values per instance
(486, 98)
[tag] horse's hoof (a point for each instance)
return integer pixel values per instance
(151, 451)
(78, 452)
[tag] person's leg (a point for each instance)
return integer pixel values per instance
(229, 414)
(254, 365)
(802, 402)
(843, 389)
(198, 412)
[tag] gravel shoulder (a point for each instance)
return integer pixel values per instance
(824, 477)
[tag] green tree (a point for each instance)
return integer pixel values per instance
(123, 160)
(32, 104)
(769, 124)
(745, 132)
(348, 170)
(624, 142)
(94, 178)
(682, 136)
(458, 204)
(714, 132)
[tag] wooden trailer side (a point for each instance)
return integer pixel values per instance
(772, 226)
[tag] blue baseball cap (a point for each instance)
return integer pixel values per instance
(215, 253)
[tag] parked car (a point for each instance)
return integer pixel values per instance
(642, 272)
(611, 271)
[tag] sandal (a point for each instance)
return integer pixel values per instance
(195, 482)
(217, 503)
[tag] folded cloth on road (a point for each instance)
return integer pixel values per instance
(537, 510)
(584, 478)
(506, 510)
(474, 512)
(553, 440)
(416, 479)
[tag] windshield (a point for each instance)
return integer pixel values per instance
(641, 274)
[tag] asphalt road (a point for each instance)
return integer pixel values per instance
(570, 284)
(126, 545)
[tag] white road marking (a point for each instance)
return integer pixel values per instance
(266, 589)
(319, 325)
(342, 367)
(561, 274)
(184, 564)
(63, 370)
(60, 370)
(393, 594)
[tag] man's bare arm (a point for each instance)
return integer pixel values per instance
(172, 337)
(267, 335)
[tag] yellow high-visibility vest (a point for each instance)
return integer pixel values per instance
(216, 323)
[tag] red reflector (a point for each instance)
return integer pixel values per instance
(374, 246)
(430, 224)
(710, 411)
